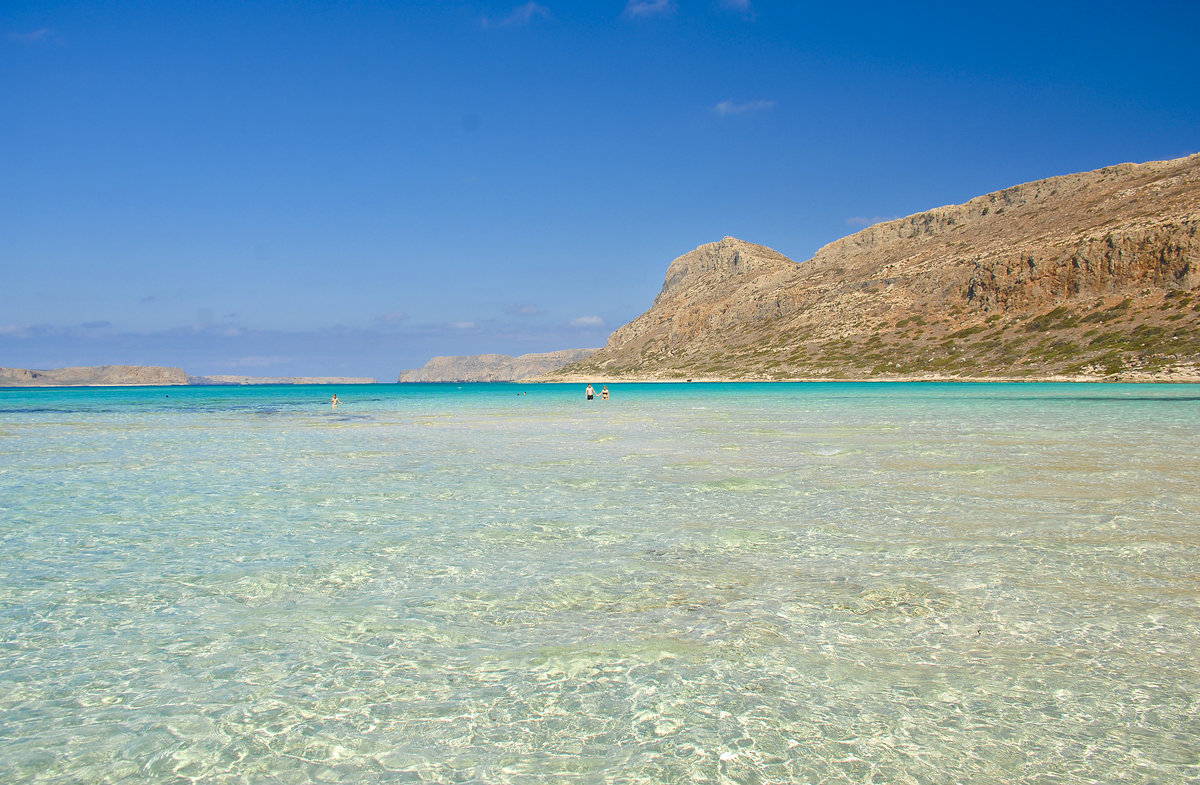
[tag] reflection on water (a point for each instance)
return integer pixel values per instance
(752, 583)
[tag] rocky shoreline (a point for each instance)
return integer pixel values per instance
(49, 379)
(1182, 377)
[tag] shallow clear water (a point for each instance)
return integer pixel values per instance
(818, 583)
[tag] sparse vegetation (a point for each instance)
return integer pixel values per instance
(1060, 318)
(1112, 363)
(1108, 315)
(968, 331)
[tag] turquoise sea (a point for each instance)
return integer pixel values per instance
(693, 583)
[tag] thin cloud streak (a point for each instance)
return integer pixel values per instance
(259, 361)
(726, 108)
(863, 221)
(641, 8)
(37, 36)
(521, 16)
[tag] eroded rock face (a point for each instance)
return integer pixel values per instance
(729, 261)
(955, 291)
(708, 293)
(102, 375)
(493, 367)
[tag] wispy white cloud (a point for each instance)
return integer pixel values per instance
(726, 108)
(525, 310)
(35, 331)
(257, 361)
(463, 325)
(860, 220)
(640, 8)
(395, 317)
(587, 321)
(520, 16)
(40, 35)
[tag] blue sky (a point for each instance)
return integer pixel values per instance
(351, 188)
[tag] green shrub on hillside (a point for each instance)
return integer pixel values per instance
(1107, 315)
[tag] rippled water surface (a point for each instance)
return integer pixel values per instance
(818, 583)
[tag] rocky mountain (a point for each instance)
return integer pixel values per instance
(1088, 276)
(100, 375)
(226, 379)
(493, 367)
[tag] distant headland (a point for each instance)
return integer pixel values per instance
(493, 367)
(147, 376)
(226, 379)
(101, 375)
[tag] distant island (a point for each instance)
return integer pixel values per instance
(147, 375)
(102, 375)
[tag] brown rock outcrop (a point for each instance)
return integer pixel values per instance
(103, 375)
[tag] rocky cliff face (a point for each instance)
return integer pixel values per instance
(1087, 275)
(99, 375)
(715, 290)
(493, 367)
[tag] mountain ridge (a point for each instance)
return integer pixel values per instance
(1086, 276)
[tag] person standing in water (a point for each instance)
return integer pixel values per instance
(335, 401)
(604, 393)
(589, 392)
